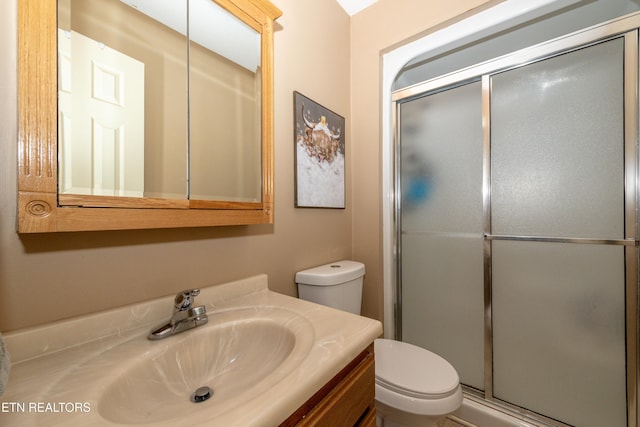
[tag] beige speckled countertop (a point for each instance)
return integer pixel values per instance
(62, 371)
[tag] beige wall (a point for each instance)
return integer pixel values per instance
(375, 30)
(49, 277)
(321, 53)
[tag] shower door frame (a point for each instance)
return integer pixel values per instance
(627, 28)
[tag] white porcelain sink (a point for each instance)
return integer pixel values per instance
(238, 354)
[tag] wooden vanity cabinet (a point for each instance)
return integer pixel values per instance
(347, 400)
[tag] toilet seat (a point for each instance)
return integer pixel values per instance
(408, 369)
(415, 380)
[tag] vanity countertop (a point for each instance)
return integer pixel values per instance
(62, 371)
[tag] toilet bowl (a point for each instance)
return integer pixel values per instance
(413, 387)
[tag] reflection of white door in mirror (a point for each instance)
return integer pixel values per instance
(102, 92)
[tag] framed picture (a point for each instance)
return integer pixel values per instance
(319, 155)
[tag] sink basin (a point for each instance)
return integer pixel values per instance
(262, 353)
(237, 354)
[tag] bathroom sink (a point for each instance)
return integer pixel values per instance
(234, 358)
(262, 353)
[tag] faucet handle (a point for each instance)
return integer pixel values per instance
(184, 299)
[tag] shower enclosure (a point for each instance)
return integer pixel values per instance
(517, 230)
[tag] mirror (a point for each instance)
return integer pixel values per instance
(122, 100)
(161, 121)
(224, 105)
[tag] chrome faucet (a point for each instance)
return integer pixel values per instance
(184, 316)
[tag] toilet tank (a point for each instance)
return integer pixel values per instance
(337, 285)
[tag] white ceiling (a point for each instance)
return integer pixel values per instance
(354, 6)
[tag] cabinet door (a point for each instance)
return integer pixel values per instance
(347, 400)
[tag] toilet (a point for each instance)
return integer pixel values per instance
(414, 387)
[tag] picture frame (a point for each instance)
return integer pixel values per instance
(319, 147)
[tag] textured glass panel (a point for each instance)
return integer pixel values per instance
(558, 330)
(441, 180)
(441, 161)
(442, 300)
(557, 146)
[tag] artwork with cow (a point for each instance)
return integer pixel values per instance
(320, 155)
(320, 141)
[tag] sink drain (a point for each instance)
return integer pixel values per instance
(202, 394)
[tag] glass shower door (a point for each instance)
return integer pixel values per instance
(558, 224)
(517, 253)
(441, 227)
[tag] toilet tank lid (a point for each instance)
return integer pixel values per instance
(331, 274)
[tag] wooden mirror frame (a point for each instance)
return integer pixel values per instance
(41, 209)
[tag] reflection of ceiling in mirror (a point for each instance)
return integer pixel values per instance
(210, 26)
